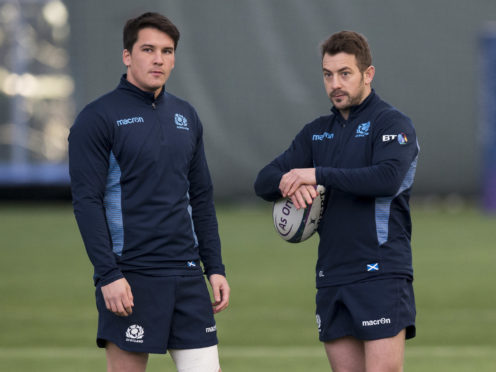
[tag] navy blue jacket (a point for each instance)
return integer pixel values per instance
(141, 188)
(367, 164)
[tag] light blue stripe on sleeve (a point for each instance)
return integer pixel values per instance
(382, 211)
(383, 205)
(113, 206)
(190, 211)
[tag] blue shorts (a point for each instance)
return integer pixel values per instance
(368, 310)
(172, 312)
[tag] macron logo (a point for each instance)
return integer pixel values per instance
(368, 323)
(127, 121)
(321, 137)
(211, 329)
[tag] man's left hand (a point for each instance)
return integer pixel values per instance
(221, 292)
(291, 181)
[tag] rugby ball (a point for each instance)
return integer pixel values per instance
(296, 225)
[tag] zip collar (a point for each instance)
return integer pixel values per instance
(148, 97)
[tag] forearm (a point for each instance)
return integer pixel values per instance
(206, 229)
(377, 180)
(298, 155)
(203, 214)
(267, 182)
(91, 220)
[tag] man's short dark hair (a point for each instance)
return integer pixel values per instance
(349, 42)
(148, 20)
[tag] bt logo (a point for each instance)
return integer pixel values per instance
(402, 138)
(388, 137)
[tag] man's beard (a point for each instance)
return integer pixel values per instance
(352, 101)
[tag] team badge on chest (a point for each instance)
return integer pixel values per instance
(363, 129)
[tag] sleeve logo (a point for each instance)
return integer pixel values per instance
(401, 138)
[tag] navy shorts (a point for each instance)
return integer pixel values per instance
(172, 312)
(368, 310)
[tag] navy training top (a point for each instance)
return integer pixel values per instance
(367, 164)
(141, 188)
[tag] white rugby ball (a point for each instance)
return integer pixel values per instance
(297, 225)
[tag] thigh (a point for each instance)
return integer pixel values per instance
(385, 355)
(119, 360)
(193, 324)
(346, 354)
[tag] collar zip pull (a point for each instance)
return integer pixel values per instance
(154, 106)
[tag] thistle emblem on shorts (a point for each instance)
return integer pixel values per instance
(319, 322)
(135, 332)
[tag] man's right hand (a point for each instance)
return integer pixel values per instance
(118, 297)
(303, 196)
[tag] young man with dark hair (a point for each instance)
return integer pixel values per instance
(366, 160)
(143, 201)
